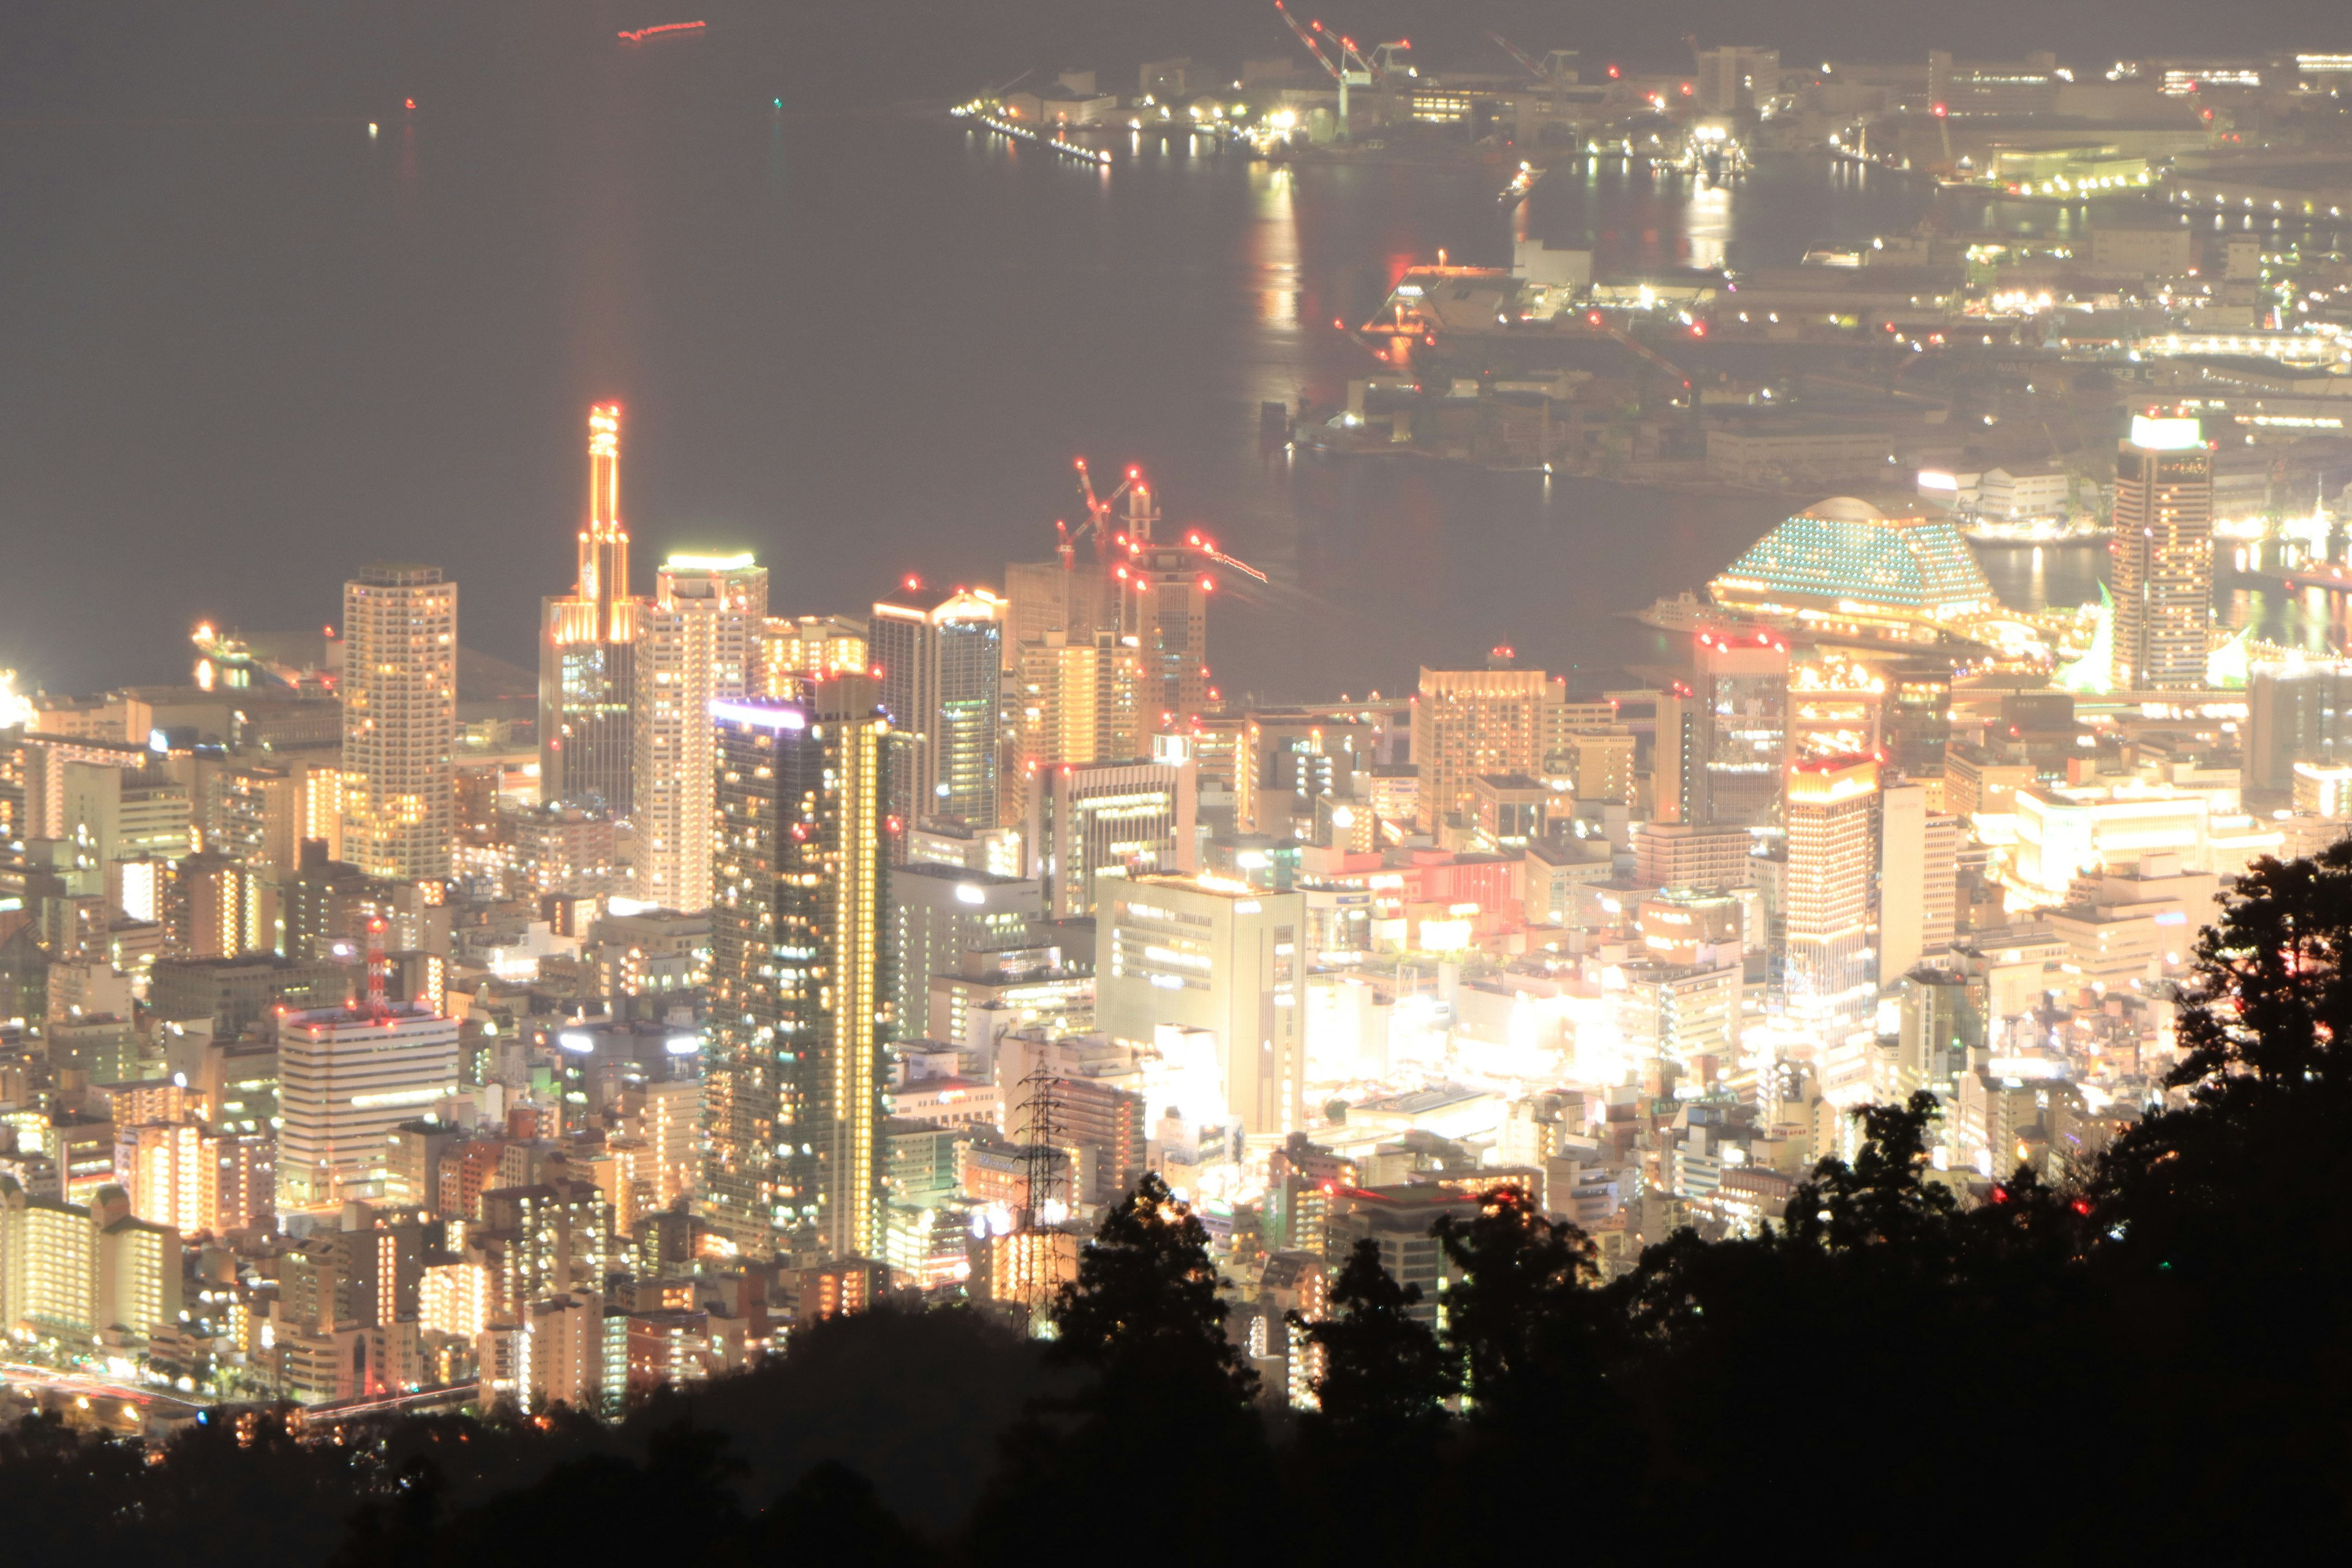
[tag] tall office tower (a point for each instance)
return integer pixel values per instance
(2296, 713)
(1088, 821)
(1678, 776)
(1830, 977)
(1218, 959)
(587, 640)
(941, 659)
(1472, 722)
(937, 914)
(1743, 680)
(347, 1078)
(1918, 855)
(2162, 550)
(799, 975)
(400, 721)
(698, 643)
(795, 652)
(1074, 701)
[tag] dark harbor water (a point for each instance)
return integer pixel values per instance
(251, 344)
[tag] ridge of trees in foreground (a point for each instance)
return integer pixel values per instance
(2156, 1359)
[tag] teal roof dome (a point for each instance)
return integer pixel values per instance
(1845, 555)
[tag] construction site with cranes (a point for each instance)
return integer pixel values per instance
(1331, 95)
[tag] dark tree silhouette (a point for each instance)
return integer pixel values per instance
(1520, 1315)
(831, 1517)
(1167, 1414)
(1385, 1377)
(1146, 1298)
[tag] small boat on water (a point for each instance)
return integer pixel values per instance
(1521, 183)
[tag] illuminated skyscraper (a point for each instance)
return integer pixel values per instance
(1742, 679)
(347, 1078)
(587, 642)
(793, 652)
(941, 659)
(400, 721)
(1830, 976)
(799, 982)
(698, 643)
(2163, 553)
(1127, 819)
(1467, 722)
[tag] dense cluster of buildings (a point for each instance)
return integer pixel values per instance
(378, 1021)
(364, 1037)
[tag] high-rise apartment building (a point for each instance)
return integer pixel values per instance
(1467, 722)
(941, 658)
(795, 651)
(587, 645)
(1678, 773)
(400, 721)
(347, 1078)
(2162, 550)
(1088, 821)
(1075, 701)
(1830, 975)
(698, 643)
(799, 975)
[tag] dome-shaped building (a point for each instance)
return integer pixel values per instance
(1844, 560)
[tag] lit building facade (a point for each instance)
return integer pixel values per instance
(1467, 722)
(794, 652)
(587, 647)
(937, 913)
(941, 658)
(400, 721)
(698, 643)
(799, 983)
(1124, 818)
(1831, 975)
(1742, 680)
(1206, 954)
(2162, 551)
(2296, 713)
(347, 1079)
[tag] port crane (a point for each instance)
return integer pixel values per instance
(1553, 69)
(1345, 66)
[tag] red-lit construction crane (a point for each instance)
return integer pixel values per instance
(1335, 63)
(1097, 522)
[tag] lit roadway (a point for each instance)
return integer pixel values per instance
(20, 1374)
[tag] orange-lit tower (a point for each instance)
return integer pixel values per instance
(603, 545)
(587, 640)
